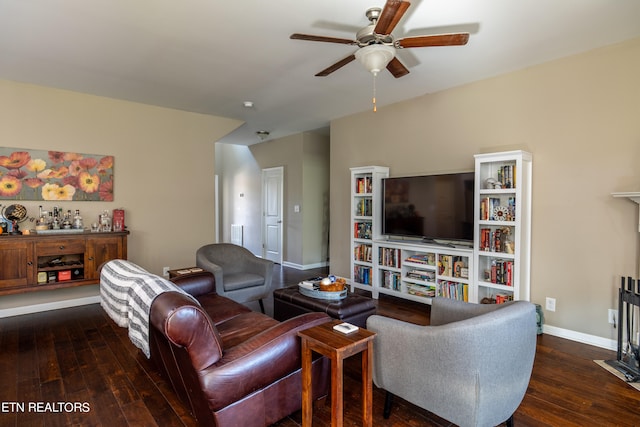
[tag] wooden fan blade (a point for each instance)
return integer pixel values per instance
(336, 66)
(308, 37)
(458, 39)
(390, 16)
(396, 68)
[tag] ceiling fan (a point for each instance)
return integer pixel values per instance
(377, 36)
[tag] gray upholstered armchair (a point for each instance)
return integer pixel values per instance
(471, 365)
(240, 275)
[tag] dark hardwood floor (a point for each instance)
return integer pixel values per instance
(54, 360)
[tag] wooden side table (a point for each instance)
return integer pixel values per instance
(336, 346)
(180, 271)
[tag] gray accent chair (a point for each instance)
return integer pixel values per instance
(240, 275)
(470, 366)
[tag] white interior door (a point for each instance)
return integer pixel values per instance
(272, 189)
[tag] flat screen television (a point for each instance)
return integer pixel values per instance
(435, 208)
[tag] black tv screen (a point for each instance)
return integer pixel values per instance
(432, 207)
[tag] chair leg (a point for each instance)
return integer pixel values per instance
(261, 306)
(388, 401)
(510, 421)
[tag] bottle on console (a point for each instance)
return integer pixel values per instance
(77, 221)
(66, 223)
(55, 222)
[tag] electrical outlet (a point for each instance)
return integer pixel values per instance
(165, 271)
(612, 315)
(551, 304)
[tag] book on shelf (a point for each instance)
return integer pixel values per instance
(427, 276)
(502, 298)
(486, 207)
(362, 275)
(428, 258)
(421, 291)
(362, 230)
(453, 290)
(445, 265)
(500, 272)
(507, 176)
(390, 257)
(496, 240)
(491, 209)
(363, 185)
(391, 280)
(362, 253)
(364, 207)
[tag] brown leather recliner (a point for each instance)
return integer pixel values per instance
(230, 365)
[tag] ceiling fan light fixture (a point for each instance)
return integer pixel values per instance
(375, 57)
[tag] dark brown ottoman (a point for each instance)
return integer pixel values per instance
(289, 302)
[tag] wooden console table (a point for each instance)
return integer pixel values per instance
(336, 346)
(51, 261)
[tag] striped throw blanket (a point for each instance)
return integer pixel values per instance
(126, 294)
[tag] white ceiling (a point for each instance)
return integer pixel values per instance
(209, 56)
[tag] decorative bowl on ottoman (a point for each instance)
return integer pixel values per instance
(332, 284)
(330, 288)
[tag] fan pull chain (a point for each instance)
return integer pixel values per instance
(375, 108)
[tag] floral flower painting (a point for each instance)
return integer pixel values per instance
(55, 175)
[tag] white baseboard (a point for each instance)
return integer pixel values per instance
(47, 306)
(305, 266)
(605, 343)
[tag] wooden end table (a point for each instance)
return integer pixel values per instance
(181, 271)
(336, 346)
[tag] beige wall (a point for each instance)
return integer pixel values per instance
(315, 199)
(578, 116)
(164, 169)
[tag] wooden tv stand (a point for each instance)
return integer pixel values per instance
(52, 261)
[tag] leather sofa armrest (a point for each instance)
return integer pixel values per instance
(258, 362)
(186, 324)
(196, 284)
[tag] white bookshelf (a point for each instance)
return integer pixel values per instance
(366, 215)
(502, 226)
(419, 271)
(498, 266)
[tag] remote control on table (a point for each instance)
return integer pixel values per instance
(345, 328)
